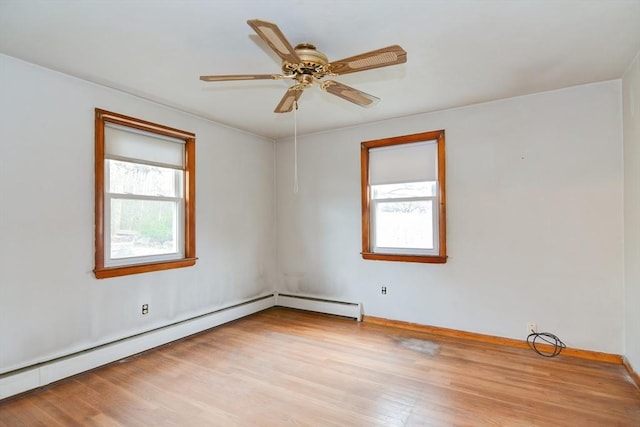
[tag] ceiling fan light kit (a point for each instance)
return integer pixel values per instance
(307, 65)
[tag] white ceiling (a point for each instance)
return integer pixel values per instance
(459, 52)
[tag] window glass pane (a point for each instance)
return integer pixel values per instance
(404, 224)
(407, 189)
(143, 227)
(144, 180)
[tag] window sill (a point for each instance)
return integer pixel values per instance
(106, 272)
(429, 259)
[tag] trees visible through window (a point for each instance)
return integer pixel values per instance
(145, 196)
(403, 198)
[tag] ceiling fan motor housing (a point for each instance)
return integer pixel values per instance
(313, 62)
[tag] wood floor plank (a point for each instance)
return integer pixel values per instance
(286, 367)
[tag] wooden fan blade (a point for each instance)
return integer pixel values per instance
(272, 35)
(230, 77)
(350, 94)
(390, 55)
(288, 100)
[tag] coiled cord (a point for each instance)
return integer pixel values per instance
(548, 338)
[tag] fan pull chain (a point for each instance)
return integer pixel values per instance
(295, 147)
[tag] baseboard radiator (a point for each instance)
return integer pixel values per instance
(311, 303)
(32, 377)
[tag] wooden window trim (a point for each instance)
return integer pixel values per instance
(365, 146)
(102, 272)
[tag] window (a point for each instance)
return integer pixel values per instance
(145, 196)
(403, 198)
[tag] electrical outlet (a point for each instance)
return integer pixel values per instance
(145, 308)
(532, 328)
(383, 290)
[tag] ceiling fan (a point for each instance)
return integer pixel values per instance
(307, 65)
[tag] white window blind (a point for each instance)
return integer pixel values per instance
(141, 147)
(416, 162)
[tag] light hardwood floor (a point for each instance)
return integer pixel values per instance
(284, 367)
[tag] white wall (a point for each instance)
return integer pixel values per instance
(631, 115)
(535, 221)
(50, 302)
(535, 203)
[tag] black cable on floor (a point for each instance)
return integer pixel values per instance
(548, 338)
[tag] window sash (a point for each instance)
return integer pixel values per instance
(178, 227)
(178, 232)
(178, 179)
(375, 248)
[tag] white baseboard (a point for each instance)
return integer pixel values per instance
(29, 378)
(304, 302)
